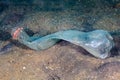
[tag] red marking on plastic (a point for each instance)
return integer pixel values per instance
(16, 33)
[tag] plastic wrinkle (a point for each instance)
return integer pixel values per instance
(98, 42)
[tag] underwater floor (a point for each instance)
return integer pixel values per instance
(64, 61)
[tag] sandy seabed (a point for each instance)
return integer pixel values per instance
(64, 61)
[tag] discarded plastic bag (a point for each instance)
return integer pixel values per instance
(98, 42)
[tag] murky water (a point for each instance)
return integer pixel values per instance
(64, 61)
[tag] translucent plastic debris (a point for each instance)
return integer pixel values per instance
(98, 42)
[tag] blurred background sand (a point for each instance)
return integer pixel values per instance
(64, 61)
